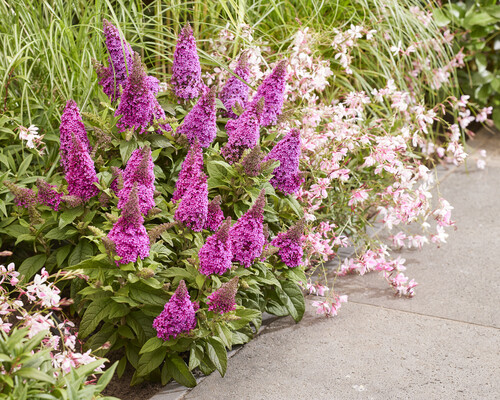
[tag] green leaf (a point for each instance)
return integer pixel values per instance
(68, 216)
(225, 335)
(3, 208)
(31, 266)
(61, 234)
(217, 354)
(178, 369)
(496, 117)
(126, 149)
(165, 374)
(495, 84)
(121, 366)
(35, 374)
(240, 338)
(494, 11)
(176, 272)
(82, 251)
(151, 345)
(292, 298)
(106, 378)
(196, 354)
(481, 62)
(439, 17)
(95, 313)
(62, 253)
(479, 18)
(147, 295)
(84, 370)
(24, 166)
(150, 361)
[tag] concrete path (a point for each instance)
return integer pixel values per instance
(442, 344)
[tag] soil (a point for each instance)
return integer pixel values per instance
(120, 387)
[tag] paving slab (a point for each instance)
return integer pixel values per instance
(461, 279)
(366, 352)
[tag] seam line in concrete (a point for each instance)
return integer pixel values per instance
(424, 315)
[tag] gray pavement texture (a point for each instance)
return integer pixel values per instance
(442, 344)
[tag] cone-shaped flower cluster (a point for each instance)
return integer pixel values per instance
(200, 123)
(215, 255)
(223, 299)
(193, 208)
(71, 122)
(251, 163)
(128, 233)
(236, 91)
(290, 245)
(243, 133)
(80, 171)
(215, 216)
(48, 194)
(139, 171)
(23, 197)
(178, 315)
(272, 89)
(191, 168)
(247, 237)
(119, 61)
(117, 183)
(186, 69)
(138, 105)
(287, 151)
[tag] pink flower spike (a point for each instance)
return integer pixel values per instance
(178, 315)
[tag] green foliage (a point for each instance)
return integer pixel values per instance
(477, 24)
(27, 372)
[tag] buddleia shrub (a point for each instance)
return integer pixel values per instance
(181, 221)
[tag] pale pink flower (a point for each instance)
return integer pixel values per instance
(464, 100)
(440, 237)
(37, 323)
(5, 326)
(399, 239)
(358, 197)
(483, 114)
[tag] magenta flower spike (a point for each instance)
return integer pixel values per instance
(138, 106)
(247, 236)
(48, 194)
(191, 168)
(223, 299)
(193, 208)
(215, 216)
(286, 177)
(186, 69)
(128, 233)
(200, 123)
(215, 255)
(243, 133)
(119, 62)
(80, 171)
(290, 245)
(117, 179)
(178, 315)
(236, 91)
(23, 197)
(71, 123)
(272, 89)
(139, 171)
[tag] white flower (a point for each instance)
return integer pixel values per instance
(396, 49)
